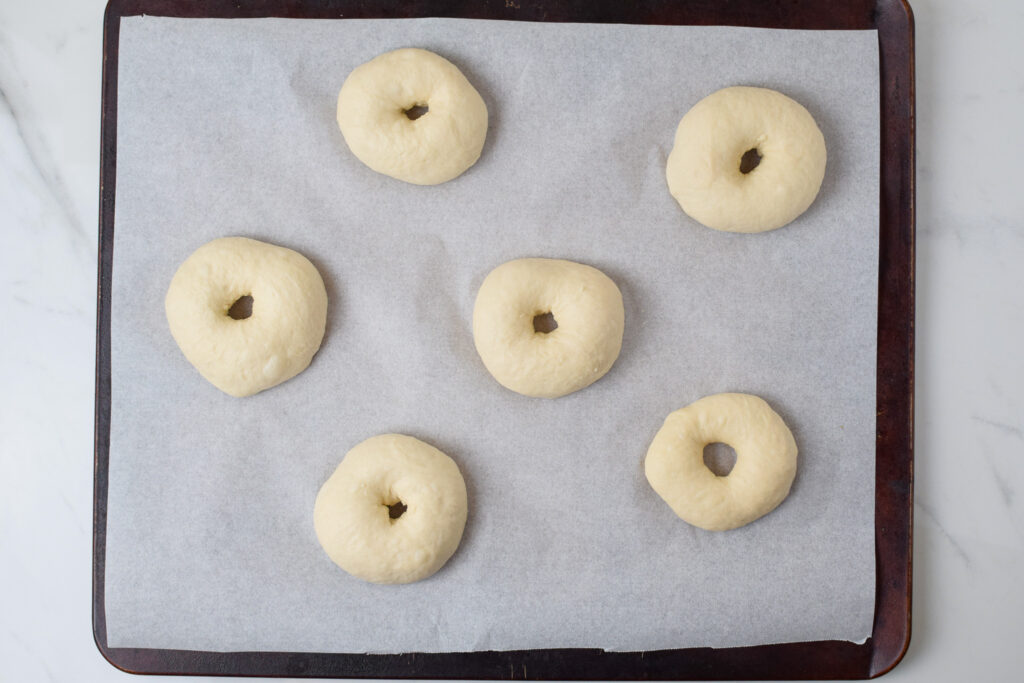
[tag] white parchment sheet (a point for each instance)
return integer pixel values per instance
(227, 127)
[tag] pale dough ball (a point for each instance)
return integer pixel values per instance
(585, 304)
(353, 517)
(434, 148)
(276, 342)
(703, 169)
(760, 479)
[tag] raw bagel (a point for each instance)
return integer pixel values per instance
(703, 170)
(585, 304)
(434, 148)
(353, 519)
(276, 342)
(760, 479)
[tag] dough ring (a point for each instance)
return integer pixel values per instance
(728, 132)
(760, 479)
(359, 516)
(375, 109)
(517, 299)
(275, 342)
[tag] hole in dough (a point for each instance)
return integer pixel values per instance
(396, 510)
(544, 323)
(416, 111)
(750, 160)
(241, 309)
(720, 458)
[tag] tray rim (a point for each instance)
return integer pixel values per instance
(895, 362)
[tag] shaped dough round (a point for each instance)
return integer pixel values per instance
(760, 479)
(703, 170)
(436, 147)
(586, 306)
(353, 518)
(276, 342)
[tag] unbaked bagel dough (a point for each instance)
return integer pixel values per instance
(353, 518)
(276, 342)
(434, 148)
(586, 306)
(760, 479)
(703, 170)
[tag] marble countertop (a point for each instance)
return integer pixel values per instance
(969, 513)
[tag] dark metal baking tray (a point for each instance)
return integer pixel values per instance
(895, 369)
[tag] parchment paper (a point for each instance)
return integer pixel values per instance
(226, 127)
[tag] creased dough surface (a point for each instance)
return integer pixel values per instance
(434, 148)
(352, 519)
(279, 339)
(703, 170)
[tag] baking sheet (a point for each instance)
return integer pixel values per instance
(226, 127)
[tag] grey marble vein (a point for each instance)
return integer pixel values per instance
(931, 516)
(73, 312)
(40, 157)
(1002, 427)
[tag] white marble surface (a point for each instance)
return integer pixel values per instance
(969, 522)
